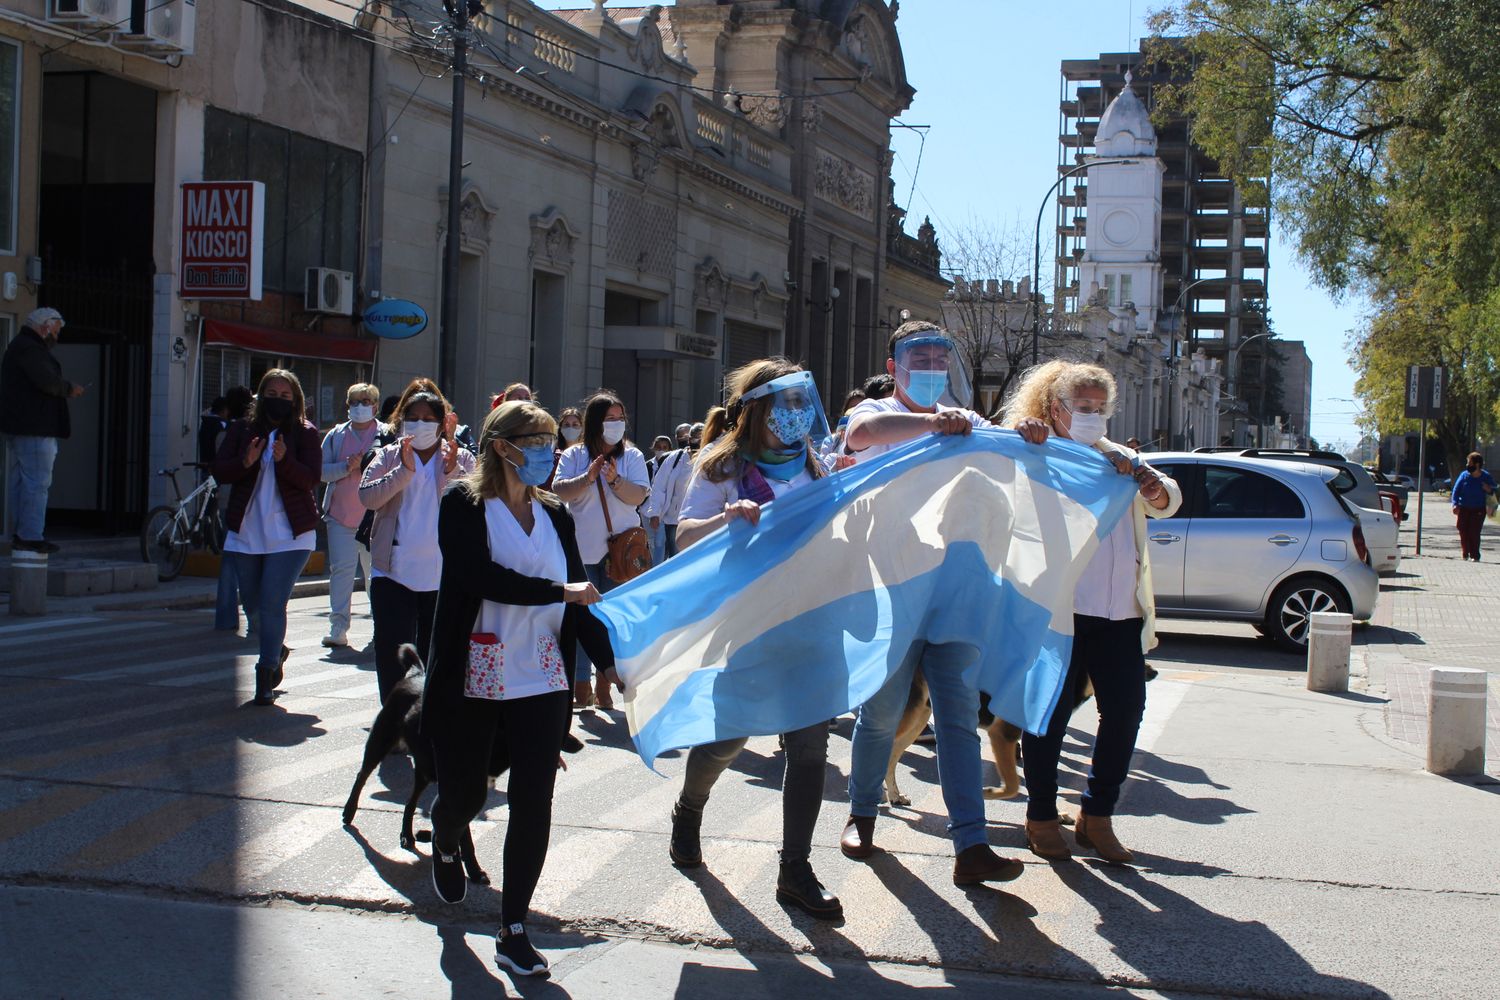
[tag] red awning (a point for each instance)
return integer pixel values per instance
(287, 343)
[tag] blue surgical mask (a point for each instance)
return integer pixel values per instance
(790, 425)
(926, 388)
(538, 465)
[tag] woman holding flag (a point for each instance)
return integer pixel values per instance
(772, 419)
(1114, 617)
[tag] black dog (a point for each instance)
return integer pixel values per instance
(397, 727)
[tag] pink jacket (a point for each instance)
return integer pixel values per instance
(380, 490)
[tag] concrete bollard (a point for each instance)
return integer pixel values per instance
(1456, 701)
(28, 583)
(1328, 638)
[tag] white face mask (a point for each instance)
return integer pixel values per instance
(423, 433)
(1087, 428)
(361, 413)
(614, 432)
(571, 432)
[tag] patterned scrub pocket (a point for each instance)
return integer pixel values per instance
(485, 677)
(551, 661)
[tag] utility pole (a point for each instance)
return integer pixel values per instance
(448, 332)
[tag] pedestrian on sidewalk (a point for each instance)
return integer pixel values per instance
(603, 468)
(1471, 492)
(1114, 616)
(271, 461)
(930, 396)
(768, 451)
(34, 418)
(502, 660)
(402, 485)
(346, 451)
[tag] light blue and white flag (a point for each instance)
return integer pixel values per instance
(977, 539)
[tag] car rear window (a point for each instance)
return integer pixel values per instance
(1239, 493)
(1343, 482)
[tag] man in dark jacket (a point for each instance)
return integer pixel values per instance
(33, 417)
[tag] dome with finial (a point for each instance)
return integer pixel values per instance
(1125, 129)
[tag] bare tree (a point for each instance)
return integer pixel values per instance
(989, 310)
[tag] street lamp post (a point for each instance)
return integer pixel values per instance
(1172, 354)
(1036, 258)
(1233, 356)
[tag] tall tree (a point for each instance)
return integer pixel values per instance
(992, 328)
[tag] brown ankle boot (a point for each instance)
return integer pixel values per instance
(602, 695)
(1098, 834)
(858, 841)
(583, 697)
(1044, 837)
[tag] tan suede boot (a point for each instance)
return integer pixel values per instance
(1098, 834)
(1044, 837)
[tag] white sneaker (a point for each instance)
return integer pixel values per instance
(335, 640)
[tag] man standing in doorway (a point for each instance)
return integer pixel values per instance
(33, 417)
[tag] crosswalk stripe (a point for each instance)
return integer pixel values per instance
(145, 833)
(9, 630)
(74, 728)
(262, 853)
(50, 644)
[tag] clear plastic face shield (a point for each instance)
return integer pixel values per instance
(796, 413)
(930, 370)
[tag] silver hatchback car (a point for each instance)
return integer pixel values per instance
(1267, 543)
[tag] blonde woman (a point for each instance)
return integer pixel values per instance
(1114, 619)
(512, 574)
(765, 452)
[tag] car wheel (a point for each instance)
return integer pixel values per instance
(1289, 615)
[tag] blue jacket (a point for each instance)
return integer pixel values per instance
(1468, 489)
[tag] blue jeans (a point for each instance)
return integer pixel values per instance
(602, 583)
(952, 672)
(30, 473)
(1109, 654)
(658, 537)
(265, 587)
(344, 555)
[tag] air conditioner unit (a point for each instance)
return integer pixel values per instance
(159, 27)
(91, 13)
(329, 291)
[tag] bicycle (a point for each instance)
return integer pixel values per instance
(194, 521)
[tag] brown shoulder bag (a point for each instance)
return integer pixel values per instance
(629, 551)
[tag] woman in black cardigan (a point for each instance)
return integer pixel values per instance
(510, 607)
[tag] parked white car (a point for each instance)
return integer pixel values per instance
(1381, 533)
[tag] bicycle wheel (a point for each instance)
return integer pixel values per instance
(162, 543)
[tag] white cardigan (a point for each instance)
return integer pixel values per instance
(1139, 511)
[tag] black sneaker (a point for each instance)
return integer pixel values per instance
(513, 951)
(448, 877)
(26, 545)
(685, 848)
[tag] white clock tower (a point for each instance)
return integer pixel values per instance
(1122, 242)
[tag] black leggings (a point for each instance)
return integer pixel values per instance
(532, 730)
(401, 615)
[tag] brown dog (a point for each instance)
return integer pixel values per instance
(1005, 739)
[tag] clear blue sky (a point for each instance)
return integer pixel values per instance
(986, 75)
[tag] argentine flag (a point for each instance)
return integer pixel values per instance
(977, 539)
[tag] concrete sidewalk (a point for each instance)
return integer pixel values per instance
(1438, 611)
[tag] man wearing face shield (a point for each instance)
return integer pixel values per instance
(931, 397)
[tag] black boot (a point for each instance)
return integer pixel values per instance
(277, 672)
(264, 687)
(798, 886)
(685, 849)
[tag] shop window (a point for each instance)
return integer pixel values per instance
(325, 384)
(313, 191)
(10, 143)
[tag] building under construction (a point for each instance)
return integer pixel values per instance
(1214, 247)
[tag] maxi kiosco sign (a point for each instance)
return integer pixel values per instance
(223, 239)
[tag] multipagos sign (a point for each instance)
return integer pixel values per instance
(395, 319)
(223, 239)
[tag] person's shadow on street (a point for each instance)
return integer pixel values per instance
(1164, 935)
(274, 726)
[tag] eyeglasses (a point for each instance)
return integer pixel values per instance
(1088, 407)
